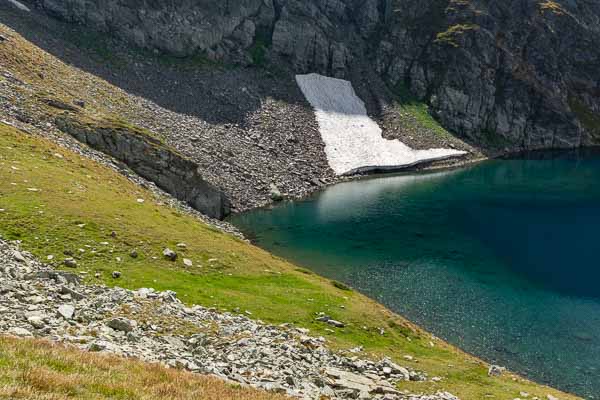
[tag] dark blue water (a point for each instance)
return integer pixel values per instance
(501, 259)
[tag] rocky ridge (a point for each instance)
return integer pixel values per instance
(38, 301)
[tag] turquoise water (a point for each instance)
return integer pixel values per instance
(500, 258)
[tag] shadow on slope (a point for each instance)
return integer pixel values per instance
(216, 93)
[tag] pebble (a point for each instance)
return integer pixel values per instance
(66, 311)
(36, 321)
(169, 254)
(496, 370)
(70, 262)
(21, 332)
(18, 256)
(120, 324)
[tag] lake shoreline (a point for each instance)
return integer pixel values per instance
(335, 205)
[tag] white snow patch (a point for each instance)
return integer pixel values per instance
(353, 141)
(19, 5)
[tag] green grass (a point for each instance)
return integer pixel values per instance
(258, 50)
(100, 46)
(78, 203)
(452, 35)
(588, 118)
(93, 122)
(415, 114)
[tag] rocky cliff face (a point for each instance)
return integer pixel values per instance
(520, 73)
(152, 160)
(516, 74)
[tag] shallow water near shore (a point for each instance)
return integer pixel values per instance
(500, 259)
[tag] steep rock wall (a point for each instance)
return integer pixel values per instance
(521, 73)
(510, 75)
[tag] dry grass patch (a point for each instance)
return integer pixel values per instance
(39, 370)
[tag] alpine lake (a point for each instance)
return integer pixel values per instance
(501, 259)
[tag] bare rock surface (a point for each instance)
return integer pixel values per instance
(516, 74)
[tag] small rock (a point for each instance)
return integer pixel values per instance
(70, 262)
(36, 321)
(335, 323)
(20, 332)
(274, 193)
(36, 300)
(550, 397)
(169, 254)
(121, 324)
(116, 274)
(182, 245)
(19, 257)
(496, 370)
(74, 294)
(66, 311)
(99, 345)
(187, 262)
(133, 254)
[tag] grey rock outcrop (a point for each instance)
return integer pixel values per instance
(181, 27)
(151, 159)
(513, 73)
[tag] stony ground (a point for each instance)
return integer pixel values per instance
(155, 326)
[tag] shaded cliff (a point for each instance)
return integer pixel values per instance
(517, 74)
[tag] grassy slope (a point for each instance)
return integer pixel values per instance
(37, 370)
(414, 114)
(227, 272)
